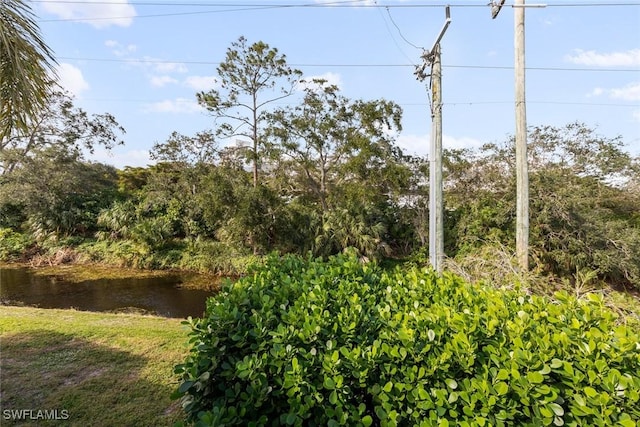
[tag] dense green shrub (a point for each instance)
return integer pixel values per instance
(187, 254)
(12, 244)
(584, 203)
(125, 252)
(216, 257)
(306, 342)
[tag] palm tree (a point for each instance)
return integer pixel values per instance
(26, 68)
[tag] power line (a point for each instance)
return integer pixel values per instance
(409, 104)
(498, 67)
(338, 65)
(256, 7)
(343, 4)
(585, 104)
(235, 8)
(395, 42)
(158, 15)
(400, 31)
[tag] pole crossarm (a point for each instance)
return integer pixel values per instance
(428, 55)
(444, 28)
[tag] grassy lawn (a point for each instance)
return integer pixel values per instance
(95, 369)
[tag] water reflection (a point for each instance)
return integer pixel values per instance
(157, 295)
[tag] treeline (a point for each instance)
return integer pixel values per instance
(319, 175)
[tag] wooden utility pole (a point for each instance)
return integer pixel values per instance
(436, 207)
(522, 168)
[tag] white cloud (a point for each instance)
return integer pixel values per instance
(547, 22)
(120, 158)
(630, 92)
(147, 63)
(71, 79)
(414, 144)
(169, 67)
(178, 105)
(94, 12)
(157, 70)
(119, 49)
(159, 66)
(451, 142)
(200, 82)
(329, 77)
(629, 58)
(420, 144)
(160, 81)
(595, 92)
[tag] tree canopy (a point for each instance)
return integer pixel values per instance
(323, 173)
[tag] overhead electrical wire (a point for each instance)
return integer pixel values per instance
(400, 31)
(343, 4)
(414, 104)
(156, 15)
(134, 61)
(255, 7)
(239, 7)
(395, 42)
(586, 104)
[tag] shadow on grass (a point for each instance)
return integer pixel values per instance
(89, 384)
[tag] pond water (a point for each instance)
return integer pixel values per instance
(160, 296)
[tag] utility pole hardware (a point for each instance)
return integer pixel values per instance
(436, 209)
(495, 8)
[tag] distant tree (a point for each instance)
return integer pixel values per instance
(339, 156)
(584, 210)
(192, 150)
(329, 140)
(251, 77)
(174, 187)
(313, 141)
(131, 179)
(26, 67)
(59, 194)
(61, 126)
(44, 179)
(256, 220)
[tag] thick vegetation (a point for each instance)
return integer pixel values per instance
(306, 342)
(300, 342)
(585, 204)
(319, 175)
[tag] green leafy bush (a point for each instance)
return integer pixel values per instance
(215, 257)
(306, 342)
(125, 252)
(12, 244)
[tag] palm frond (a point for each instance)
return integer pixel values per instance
(27, 74)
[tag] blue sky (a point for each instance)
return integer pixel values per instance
(144, 61)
